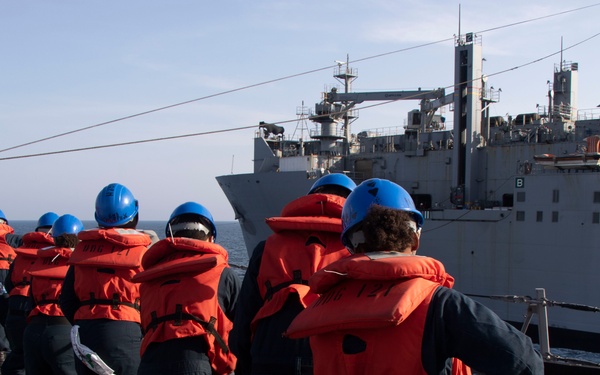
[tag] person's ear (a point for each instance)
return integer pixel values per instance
(416, 240)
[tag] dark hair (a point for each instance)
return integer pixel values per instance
(66, 240)
(131, 224)
(386, 229)
(190, 233)
(333, 190)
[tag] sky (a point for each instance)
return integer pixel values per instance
(146, 69)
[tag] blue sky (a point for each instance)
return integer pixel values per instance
(67, 65)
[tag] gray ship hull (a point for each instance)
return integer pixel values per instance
(257, 196)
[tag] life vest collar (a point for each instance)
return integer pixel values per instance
(37, 239)
(169, 246)
(327, 205)
(119, 236)
(381, 266)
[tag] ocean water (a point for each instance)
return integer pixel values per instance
(229, 235)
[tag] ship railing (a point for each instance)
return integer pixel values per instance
(539, 306)
(566, 66)
(319, 172)
(543, 111)
(383, 132)
(588, 114)
(335, 131)
(344, 70)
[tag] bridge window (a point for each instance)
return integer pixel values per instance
(554, 196)
(539, 217)
(555, 216)
(597, 197)
(596, 218)
(520, 215)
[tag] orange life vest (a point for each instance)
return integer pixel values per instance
(26, 255)
(306, 238)
(179, 290)
(104, 262)
(7, 253)
(381, 299)
(47, 275)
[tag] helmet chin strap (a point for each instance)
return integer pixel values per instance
(171, 232)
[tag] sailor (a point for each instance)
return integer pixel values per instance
(274, 290)
(17, 286)
(98, 296)
(12, 239)
(7, 252)
(385, 310)
(47, 337)
(7, 256)
(189, 294)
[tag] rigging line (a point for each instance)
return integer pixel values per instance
(400, 50)
(538, 18)
(276, 80)
(208, 97)
(279, 122)
(477, 32)
(125, 143)
(166, 107)
(544, 57)
(469, 81)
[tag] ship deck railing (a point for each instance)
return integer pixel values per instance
(588, 114)
(539, 307)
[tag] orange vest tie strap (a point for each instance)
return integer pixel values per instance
(180, 316)
(114, 302)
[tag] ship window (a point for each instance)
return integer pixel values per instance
(596, 218)
(521, 196)
(507, 200)
(520, 215)
(555, 216)
(539, 216)
(554, 196)
(597, 197)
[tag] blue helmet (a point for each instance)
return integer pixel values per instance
(46, 220)
(3, 217)
(115, 206)
(196, 209)
(375, 191)
(335, 179)
(66, 224)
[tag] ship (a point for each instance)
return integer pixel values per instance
(511, 204)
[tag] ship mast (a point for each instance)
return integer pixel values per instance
(346, 76)
(467, 188)
(302, 113)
